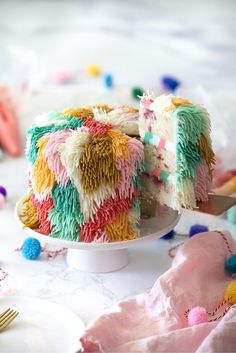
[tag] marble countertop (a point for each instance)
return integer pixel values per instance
(138, 41)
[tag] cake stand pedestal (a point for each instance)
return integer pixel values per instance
(97, 261)
(108, 257)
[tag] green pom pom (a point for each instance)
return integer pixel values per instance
(137, 92)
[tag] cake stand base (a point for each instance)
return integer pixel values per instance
(97, 261)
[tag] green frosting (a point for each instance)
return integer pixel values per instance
(149, 167)
(188, 157)
(136, 206)
(66, 215)
(147, 137)
(192, 121)
(66, 200)
(164, 175)
(36, 132)
(136, 179)
(55, 116)
(64, 227)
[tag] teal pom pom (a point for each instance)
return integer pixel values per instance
(31, 248)
(197, 228)
(230, 264)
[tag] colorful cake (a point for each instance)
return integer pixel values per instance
(87, 166)
(178, 156)
(84, 174)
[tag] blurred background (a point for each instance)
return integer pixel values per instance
(56, 54)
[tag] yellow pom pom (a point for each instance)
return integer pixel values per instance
(93, 70)
(230, 294)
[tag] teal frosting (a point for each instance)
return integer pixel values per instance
(149, 167)
(66, 200)
(191, 123)
(147, 137)
(164, 175)
(136, 206)
(66, 216)
(188, 157)
(54, 116)
(136, 178)
(63, 227)
(36, 132)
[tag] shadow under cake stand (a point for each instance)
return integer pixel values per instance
(108, 257)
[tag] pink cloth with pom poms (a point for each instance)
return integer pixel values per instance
(156, 321)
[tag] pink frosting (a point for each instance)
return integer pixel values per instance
(127, 167)
(52, 154)
(203, 182)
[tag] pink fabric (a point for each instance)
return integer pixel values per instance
(155, 321)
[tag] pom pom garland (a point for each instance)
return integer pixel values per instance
(230, 264)
(197, 315)
(197, 228)
(31, 248)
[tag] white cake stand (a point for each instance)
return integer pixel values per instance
(108, 257)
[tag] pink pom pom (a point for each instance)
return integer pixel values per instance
(197, 315)
(2, 201)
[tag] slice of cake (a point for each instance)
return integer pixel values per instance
(84, 174)
(178, 154)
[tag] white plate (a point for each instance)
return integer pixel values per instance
(41, 327)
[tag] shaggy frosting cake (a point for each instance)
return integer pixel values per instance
(84, 174)
(178, 153)
(85, 166)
